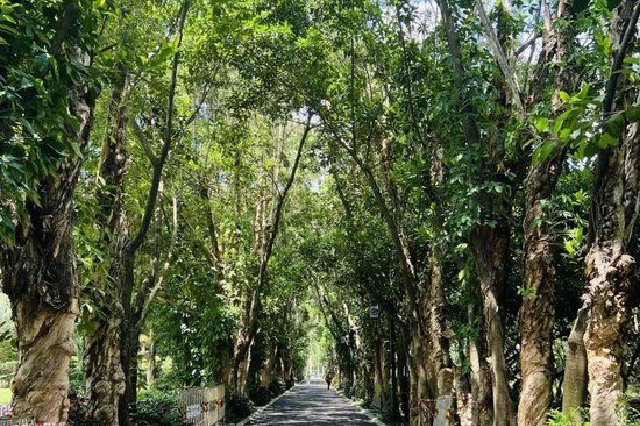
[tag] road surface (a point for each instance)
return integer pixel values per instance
(311, 404)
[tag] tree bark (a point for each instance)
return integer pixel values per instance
(537, 314)
(393, 366)
(574, 382)
(103, 373)
(614, 209)
(481, 394)
(151, 357)
(39, 271)
(489, 247)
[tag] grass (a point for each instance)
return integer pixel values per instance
(5, 396)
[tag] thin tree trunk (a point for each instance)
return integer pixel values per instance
(537, 314)
(264, 248)
(574, 382)
(488, 245)
(395, 406)
(481, 392)
(404, 379)
(379, 383)
(127, 259)
(151, 359)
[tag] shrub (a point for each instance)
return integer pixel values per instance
(156, 409)
(238, 408)
(260, 395)
(573, 418)
(276, 388)
(78, 412)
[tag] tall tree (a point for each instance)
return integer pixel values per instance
(609, 263)
(39, 267)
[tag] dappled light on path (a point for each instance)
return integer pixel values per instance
(311, 404)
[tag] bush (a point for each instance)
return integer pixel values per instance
(238, 408)
(260, 396)
(573, 418)
(276, 388)
(156, 409)
(78, 412)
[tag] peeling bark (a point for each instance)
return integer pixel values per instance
(614, 210)
(39, 272)
(537, 313)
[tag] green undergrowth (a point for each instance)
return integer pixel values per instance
(630, 417)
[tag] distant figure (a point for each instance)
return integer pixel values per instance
(328, 378)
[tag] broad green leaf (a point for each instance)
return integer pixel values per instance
(542, 152)
(542, 124)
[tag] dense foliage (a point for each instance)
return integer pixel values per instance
(434, 201)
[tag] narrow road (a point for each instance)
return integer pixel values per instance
(312, 404)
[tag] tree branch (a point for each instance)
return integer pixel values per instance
(508, 73)
(618, 60)
(144, 143)
(144, 310)
(166, 143)
(280, 204)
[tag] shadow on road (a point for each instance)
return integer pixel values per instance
(311, 404)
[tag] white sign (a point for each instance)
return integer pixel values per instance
(193, 411)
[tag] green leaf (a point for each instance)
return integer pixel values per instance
(76, 149)
(542, 124)
(564, 96)
(614, 126)
(632, 114)
(630, 60)
(606, 140)
(542, 152)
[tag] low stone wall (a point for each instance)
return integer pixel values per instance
(202, 406)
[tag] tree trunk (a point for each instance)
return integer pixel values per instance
(609, 269)
(151, 357)
(128, 348)
(393, 365)
(481, 393)
(574, 382)
(404, 381)
(46, 343)
(614, 209)
(39, 275)
(537, 314)
(103, 373)
(489, 247)
(134, 350)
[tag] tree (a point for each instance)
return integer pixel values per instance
(37, 262)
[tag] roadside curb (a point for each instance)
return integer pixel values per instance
(259, 410)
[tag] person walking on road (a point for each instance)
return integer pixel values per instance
(328, 378)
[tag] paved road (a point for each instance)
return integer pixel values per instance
(311, 404)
